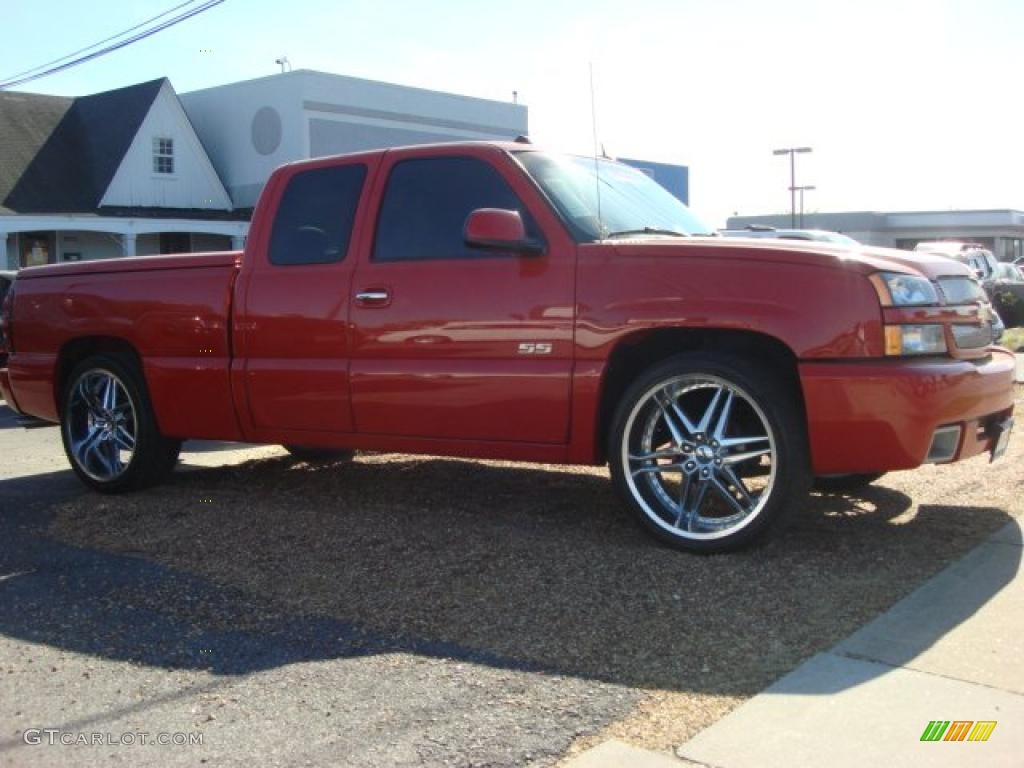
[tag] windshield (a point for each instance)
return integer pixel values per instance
(631, 203)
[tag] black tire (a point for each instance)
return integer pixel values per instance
(760, 444)
(845, 483)
(96, 433)
(316, 455)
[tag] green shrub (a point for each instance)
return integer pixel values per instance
(1013, 339)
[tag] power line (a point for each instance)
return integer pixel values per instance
(101, 42)
(24, 77)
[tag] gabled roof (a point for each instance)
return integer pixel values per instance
(74, 167)
(26, 121)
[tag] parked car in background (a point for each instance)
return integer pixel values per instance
(1006, 288)
(1003, 282)
(818, 235)
(998, 327)
(974, 255)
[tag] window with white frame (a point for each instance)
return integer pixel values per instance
(163, 155)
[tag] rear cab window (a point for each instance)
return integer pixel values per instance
(316, 215)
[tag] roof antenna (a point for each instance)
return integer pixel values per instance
(597, 167)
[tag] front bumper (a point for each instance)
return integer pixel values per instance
(881, 415)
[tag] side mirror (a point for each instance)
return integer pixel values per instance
(499, 229)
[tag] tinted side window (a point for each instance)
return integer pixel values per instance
(314, 220)
(426, 204)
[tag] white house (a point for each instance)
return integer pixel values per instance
(115, 173)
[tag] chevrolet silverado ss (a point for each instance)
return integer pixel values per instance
(498, 301)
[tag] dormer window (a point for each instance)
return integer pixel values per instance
(163, 155)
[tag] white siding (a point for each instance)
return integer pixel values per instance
(223, 118)
(194, 183)
(319, 113)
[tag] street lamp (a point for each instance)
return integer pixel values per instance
(801, 190)
(792, 152)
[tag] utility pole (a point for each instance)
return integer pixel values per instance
(792, 152)
(801, 190)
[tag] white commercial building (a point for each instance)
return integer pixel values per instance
(1001, 231)
(250, 128)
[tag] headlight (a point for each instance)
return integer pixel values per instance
(915, 340)
(898, 290)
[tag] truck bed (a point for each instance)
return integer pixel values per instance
(175, 309)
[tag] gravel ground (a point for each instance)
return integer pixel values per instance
(93, 642)
(536, 568)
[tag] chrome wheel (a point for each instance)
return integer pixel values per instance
(101, 425)
(698, 456)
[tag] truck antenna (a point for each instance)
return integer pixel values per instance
(597, 165)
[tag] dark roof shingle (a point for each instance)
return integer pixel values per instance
(72, 169)
(26, 121)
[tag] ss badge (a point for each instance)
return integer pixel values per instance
(535, 348)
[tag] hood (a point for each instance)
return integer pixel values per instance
(864, 259)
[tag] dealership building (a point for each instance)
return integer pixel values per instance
(1001, 231)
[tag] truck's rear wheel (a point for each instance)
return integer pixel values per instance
(709, 452)
(109, 430)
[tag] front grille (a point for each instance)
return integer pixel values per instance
(961, 290)
(972, 336)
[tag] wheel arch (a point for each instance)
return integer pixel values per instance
(637, 352)
(77, 350)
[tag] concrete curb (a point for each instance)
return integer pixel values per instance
(951, 649)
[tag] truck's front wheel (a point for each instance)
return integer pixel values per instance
(109, 430)
(709, 452)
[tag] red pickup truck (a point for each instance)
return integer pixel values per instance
(499, 301)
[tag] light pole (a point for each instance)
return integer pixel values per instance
(801, 190)
(792, 152)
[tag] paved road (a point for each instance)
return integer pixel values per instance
(93, 643)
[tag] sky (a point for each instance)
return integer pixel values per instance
(907, 104)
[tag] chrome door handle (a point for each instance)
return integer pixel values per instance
(373, 297)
